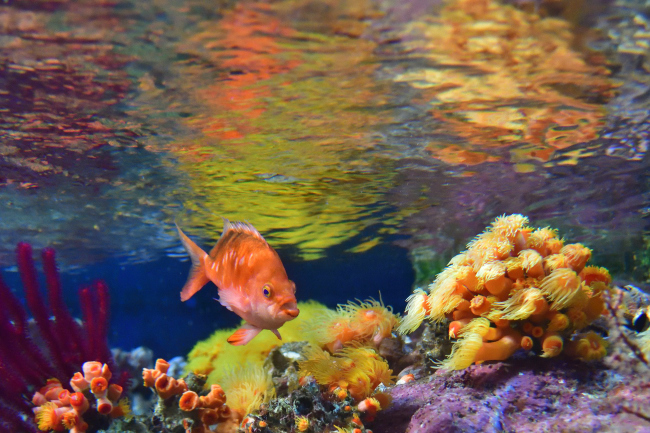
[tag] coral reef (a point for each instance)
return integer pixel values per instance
(515, 288)
(59, 409)
(53, 344)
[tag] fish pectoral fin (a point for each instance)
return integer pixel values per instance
(197, 277)
(277, 333)
(243, 335)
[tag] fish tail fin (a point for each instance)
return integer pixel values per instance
(197, 277)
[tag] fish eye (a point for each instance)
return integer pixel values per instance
(266, 290)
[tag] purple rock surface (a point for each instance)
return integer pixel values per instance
(522, 395)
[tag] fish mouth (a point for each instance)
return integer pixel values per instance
(291, 312)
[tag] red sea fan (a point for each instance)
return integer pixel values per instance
(55, 347)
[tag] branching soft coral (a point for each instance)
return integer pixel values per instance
(66, 344)
(512, 286)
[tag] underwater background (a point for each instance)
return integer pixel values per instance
(368, 141)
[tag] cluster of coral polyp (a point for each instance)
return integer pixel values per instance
(367, 322)
(201, 411)
(59, 409)
(516, 287)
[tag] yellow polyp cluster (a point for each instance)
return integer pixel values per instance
(358, 370)
(515, 285)
(364, 322)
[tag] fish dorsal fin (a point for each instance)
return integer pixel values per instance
(241, 228)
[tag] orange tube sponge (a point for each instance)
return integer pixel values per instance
(587, 347)
(562, 287)
(552, 345)
(577, 255)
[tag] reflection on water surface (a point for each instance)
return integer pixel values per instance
(321, 122)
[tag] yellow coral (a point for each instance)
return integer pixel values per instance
(587, 347)
(358, 370)
(522, 304)
(215, 358)
(247, 387)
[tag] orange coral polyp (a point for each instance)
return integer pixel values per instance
(587, 347)
(552, 345)
(526, 343)
(99, 386)
(47, 417)
(79, 402)
(189, 401)
(79, 382)
(561, 286)
(480, 305)
(577, 256)
(91, 370)
(532, 263)
(594, 273)
(501, 349)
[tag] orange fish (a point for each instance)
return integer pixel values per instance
(251, 279)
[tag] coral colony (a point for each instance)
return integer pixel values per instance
(515, 290)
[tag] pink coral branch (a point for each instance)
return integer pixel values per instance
(37, 306)
(64, 326)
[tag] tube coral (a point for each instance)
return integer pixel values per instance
(514, 285)
(57, 409)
